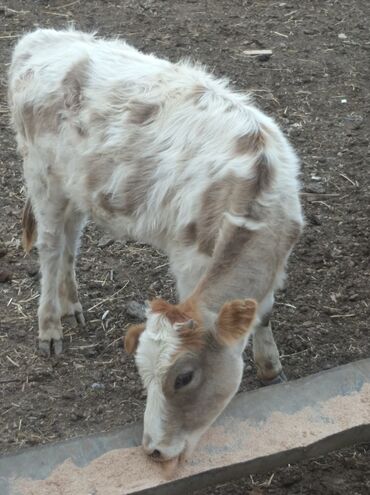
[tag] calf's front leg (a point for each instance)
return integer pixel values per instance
(50, 241)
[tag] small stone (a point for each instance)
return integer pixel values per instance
(315, 188)
(5, 276)
(77, 415)
(307, 324)
(68, 396)
(136, 309)
(105, 241)
(314, 219)
(264, 57)
(98, 386)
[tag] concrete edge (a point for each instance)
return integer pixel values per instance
(234, 472)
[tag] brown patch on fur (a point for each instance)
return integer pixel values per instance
(132, 337)
(196, 94)
(235, 319)
(39, 119)
(141, 113)
(251, 143)
(264, 176)
(234, 195)
(215, 201)
(73, 83)
(229, 251)
(189, 235)
(28, 226)
(99, 170)
(105, 202)
(137, 186)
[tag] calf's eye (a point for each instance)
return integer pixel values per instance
(183, 379)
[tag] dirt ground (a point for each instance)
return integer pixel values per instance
(316, 84)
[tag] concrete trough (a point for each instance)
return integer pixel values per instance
(259, 431)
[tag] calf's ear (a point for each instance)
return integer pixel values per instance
(235, 320)
(132, 336)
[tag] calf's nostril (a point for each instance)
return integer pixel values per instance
(155, 454)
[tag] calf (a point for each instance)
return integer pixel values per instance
(168, 155)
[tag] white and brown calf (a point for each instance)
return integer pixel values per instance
(169, 155)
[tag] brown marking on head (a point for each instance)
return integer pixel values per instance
(250, 143)
(188, 319)
(142, 113)
(28, 226)
(174, 313)
(235, 320)
(132, 337)
(192, 337)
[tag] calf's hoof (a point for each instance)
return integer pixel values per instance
(72, 320)
(280, 378)
(49, 347)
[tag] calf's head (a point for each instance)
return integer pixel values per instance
(190, 363)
